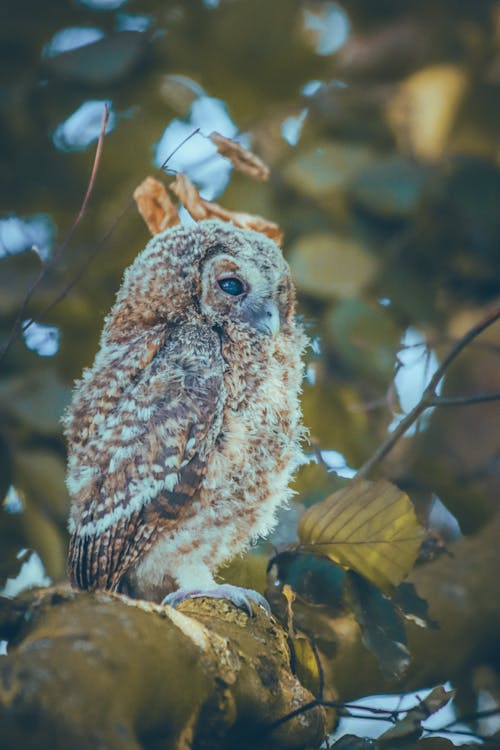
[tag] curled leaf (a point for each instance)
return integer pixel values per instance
(189, 196)
(411, 724)
(242, 159)
(155, 205)
(368, 527)
(200, 209)
(258, 224)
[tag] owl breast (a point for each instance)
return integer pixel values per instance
(184, 433)
(250, 467)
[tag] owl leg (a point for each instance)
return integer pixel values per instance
(240, 597)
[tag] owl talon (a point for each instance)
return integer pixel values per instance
(240, 597)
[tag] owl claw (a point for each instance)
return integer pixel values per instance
(240, 597)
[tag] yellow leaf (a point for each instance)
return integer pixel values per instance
(289, 595)
(424, 109)
(306, 665)
(368, 527)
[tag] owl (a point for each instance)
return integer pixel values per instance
(184, 433)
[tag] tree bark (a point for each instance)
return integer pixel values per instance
(94, 670)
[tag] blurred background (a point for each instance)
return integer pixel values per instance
(380, 123)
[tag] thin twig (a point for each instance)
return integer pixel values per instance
(93, 174)
(45, 269)
(429, 395)
(474, 716)
(181, 144)
(67, 289)
(385, 714)
(381, 714)
(88, 260)
(375, 714)
(477, 398)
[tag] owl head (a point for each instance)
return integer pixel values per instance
(213, 271)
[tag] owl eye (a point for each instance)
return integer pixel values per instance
(232, 285)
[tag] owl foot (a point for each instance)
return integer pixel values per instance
(240, 597)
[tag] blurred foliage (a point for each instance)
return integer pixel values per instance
(318, 585)
(389, 204)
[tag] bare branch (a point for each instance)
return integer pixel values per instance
(232, 673)
(429, 396)
(45, 269)
(372, 713)
(455, 350)
(88, 260)
(478, 398)
(181, 144)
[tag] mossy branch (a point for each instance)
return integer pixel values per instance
(93, 670)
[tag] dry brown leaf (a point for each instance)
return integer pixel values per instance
(242, 159)
(189, 196)
(411, 725)
(155, 206)
(200, 209)
(258, 224)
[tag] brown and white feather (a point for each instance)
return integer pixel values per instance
(185, 432)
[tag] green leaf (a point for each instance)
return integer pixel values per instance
(382, 629)
(365, 336)
(36, 400)
(412, 606)
(327, 169)
(392, 187)
(40, 475)
(368, 527)
(315, 579)
(331, 266)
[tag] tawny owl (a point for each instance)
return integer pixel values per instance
(184, 433)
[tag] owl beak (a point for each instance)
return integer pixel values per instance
(267, 318)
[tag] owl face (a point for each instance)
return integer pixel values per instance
(244, 289)
(214, 269)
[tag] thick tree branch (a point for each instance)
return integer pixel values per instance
(98, 670)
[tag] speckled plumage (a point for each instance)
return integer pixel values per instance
(185, 432)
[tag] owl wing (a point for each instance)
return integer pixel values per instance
(149, 456)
